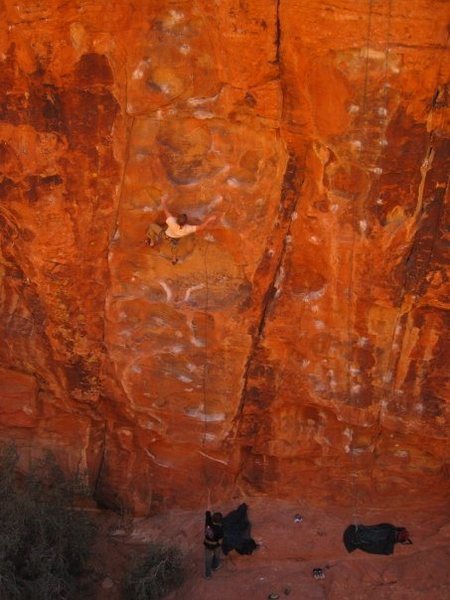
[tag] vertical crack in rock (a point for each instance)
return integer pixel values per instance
(277, 31)
(287, 208)
(425, 167)
(417, 262)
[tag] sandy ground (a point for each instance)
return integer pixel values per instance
(288, 553)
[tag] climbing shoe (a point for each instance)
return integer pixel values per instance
(318, 574)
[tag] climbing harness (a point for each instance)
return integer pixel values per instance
(173, 249)
(173, 243)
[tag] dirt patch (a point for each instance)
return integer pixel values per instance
(288, 553)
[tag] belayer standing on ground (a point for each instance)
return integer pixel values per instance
(213, 541)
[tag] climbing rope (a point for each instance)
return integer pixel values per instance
(361, 213)
(205, 378)
(205, 374)
(355, 219)
(205, 362)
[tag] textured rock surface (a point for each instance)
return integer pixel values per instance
(299, 346)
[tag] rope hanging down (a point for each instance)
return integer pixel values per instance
(205, 374)
(205, 381)
(359, 218)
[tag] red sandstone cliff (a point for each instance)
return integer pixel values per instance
(299, 346)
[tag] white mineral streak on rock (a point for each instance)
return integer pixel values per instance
(279, 280)
(203, 114)
(224, 462)
(192, 289)
(200, 101)
(156, 461)
(167, 289)
(193, 339)
(373, 54)
(139, 71)
(198, 413)
(175, 17)
(233, 182)
(402, 453)
(315, 295)
(348, 433)
(216, 200)
(176, 349)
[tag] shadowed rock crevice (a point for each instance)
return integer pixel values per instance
(280, 239)
(278, 31)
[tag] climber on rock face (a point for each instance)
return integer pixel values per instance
(174, 229)
(178, 227)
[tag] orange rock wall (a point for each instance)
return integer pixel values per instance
(298, 347)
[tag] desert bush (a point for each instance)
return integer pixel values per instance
(155, 575)
(44, 542)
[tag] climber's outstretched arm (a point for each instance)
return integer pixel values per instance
(206, 222)
(164, 206)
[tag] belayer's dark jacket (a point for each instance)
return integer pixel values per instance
(375, 539)
(237, 530)
(213, 532)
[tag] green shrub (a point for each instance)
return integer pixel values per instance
(154, 576)
(44, 542)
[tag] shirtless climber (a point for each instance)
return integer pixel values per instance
(176, 228)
